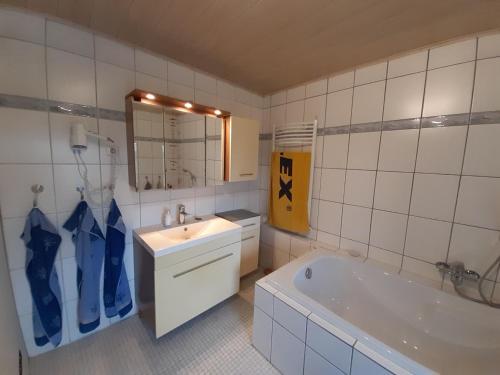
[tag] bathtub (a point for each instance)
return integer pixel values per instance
(354, 317)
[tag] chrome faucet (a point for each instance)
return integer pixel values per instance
(181, 214)
(457, 271)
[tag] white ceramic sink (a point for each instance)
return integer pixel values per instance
(161, 241)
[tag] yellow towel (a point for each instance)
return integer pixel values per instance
(289, 191)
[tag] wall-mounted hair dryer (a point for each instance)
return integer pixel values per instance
(79, 135)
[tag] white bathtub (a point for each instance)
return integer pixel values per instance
(386, 319)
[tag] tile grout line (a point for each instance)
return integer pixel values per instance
(457, 195)
(422, 106)
(378, 161)
(346, 160)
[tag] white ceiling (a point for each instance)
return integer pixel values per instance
(268, 45)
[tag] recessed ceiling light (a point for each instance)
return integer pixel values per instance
(150, 96)
(217, 112)
(188, 105)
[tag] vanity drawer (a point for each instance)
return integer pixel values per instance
(187, 289)
(249, 251)
(249, 224)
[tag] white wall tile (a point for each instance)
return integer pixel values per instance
(359, 188)
(316, 88)
(347, 244)
(294, 112)
(117, 132)
(150, 64)
(332, 184)
(22, 68)
(371, 73)
(404, 96)
(16, 198)
(356, 223)
(328, 239)
(329, 217)
(434, 196)
(109, 51)
(392, 191)
(205, 83)
(181, 74)
(262, 332)
(150, 83)
(277, 116)
(388, 230)
(398, 150)
(416, 62)
(21, 25)
(278, 98)
(71, 78)
(441, 150)
(184, 92)
(67, 179)
(484, 245)
(299, 246)
(384, 256)
(287, 352)
(478, 202)
(314, 109)
(341, 81)
(335, 151)
(487, 86)
(363, 150)
(427, 239)
(296, 93)
(70, 39)
(113, 83)
(448, 90)
(421, 268)
(338, 108)
(24, 136)
(483, 151)
(368, 103)
(452, 53)
(488, 46)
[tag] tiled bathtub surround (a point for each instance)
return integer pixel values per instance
(51, 76)
(407, 166)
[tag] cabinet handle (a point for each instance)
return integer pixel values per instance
(203, 265)
(248, 225)
(248, 238)
(246, 174)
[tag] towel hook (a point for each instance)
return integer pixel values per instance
(36, 189)
(80, 190)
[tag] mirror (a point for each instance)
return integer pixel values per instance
(172, 144)
(169, 148)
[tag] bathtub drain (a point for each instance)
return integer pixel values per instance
(308, 272)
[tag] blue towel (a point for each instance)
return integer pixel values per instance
(42, 242)
(117, 298)
(89, 251)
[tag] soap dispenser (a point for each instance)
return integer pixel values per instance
(166, 217)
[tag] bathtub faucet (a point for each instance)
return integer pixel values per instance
(457, 271)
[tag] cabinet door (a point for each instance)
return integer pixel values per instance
(241, 154)
(186, 289)
(249, 251)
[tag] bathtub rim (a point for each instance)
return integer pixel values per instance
(384, 355)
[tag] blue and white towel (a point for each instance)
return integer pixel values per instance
(89, 251)
(42, 242)
(117, 298)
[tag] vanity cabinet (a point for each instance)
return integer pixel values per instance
(172, 289)
(250, 237)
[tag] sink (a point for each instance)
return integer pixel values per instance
(161, 241)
